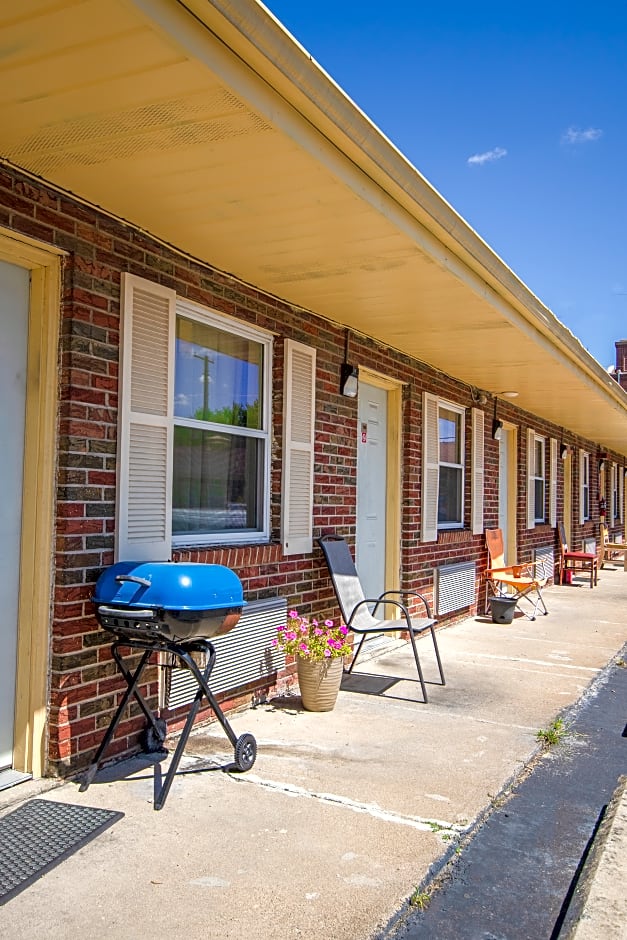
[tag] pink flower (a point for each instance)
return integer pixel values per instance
(293, 615)
(327, 652)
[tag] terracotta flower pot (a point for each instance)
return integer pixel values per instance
(319, 683)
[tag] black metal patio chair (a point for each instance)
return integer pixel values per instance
(360, 612)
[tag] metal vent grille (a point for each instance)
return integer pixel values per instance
(242, 656)
(545, 559)
(455, 586)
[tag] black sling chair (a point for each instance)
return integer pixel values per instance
(356, 608)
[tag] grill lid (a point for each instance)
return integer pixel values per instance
(169, 585)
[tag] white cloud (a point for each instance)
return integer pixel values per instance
(478, 159)
(576, 136)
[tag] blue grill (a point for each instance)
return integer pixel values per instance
(170, 600)
(173, 608)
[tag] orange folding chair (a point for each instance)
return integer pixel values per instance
(520, 582)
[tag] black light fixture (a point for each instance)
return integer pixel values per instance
(349, 375)
(497, 426)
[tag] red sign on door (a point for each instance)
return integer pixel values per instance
(364, 433)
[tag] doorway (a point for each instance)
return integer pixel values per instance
(377, 543)
(507, 489)
(30, 279)
(14, 306)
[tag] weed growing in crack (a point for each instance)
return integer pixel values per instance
(420, 899)
(553, 734)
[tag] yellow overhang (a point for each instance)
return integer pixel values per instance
(207, 125)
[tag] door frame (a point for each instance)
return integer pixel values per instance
(36, 548)
(394, 391)
(510, 538)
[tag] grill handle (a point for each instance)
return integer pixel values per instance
(127, 613)
(133, 577)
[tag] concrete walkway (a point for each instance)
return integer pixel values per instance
(344, 813)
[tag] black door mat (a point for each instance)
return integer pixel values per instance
(40, 834)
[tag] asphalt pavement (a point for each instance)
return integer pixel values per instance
(520, 873)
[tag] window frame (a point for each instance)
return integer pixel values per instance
(444, 405)
(584, 486)
(538, 439)
(205, 315)
(615, 508)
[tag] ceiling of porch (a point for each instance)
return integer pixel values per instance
(208, 126)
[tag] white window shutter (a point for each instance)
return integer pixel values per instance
(531, 489)
(621, 496)
(144, 485)
(582, 462)
(299, 411)
(478, 463)
(553, 483)
(430, 468)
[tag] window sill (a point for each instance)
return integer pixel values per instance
(454, 535)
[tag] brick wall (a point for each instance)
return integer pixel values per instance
(85, 685)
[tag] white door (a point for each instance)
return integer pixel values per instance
(370, 541)
(14, 305)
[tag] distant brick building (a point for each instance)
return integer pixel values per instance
(619, 371)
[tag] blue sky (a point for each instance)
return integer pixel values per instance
(517, 115)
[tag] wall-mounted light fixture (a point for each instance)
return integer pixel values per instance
(564, 451)
(497, 426)
(349, 375)
(478, 397)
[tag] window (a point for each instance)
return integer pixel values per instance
(584, 486)
(538, 479)
(443, 467)
(615, 510)
(194, 457)
(451, 462)
(220, 446)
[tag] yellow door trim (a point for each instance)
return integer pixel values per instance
(511, 536)
(36, 549)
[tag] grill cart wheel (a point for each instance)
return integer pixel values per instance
(245, 752)
(153, 736)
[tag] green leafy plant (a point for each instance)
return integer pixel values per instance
(420, 899)
(553, 734)
(312, 639)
